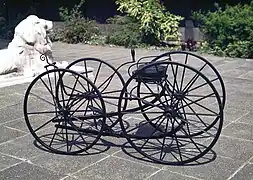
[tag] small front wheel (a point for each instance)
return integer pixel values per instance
(59, 113)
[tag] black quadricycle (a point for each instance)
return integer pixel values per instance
(168, 107)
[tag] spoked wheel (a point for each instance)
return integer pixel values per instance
(106, 78)
(57, 114)
(199, 63)
(179, 126)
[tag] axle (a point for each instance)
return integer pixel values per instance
(110, 132)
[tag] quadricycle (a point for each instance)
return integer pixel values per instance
(169, 107)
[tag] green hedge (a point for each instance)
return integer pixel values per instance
(76, 28)
(229, 30)
(126, 32)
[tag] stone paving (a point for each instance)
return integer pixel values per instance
(20, 159)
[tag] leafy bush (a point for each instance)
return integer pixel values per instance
(155, 23)
(126, 32)
(72, 14)
(3, 26)
(77, 29)
(228, 29)
(7, 29)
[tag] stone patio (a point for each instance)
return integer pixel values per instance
(20, 159)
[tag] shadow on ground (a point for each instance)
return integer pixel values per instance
(103, 145)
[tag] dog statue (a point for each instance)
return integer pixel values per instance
(29, 43)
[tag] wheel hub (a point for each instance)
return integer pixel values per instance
(179, 95)
(64, 113)
(170, 111)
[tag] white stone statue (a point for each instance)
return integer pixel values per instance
(24, 51)
(21, 61)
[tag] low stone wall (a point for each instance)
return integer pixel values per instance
(194, 33)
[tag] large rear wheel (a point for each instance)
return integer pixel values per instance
(179, 125)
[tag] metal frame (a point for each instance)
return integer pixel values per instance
(157, 91)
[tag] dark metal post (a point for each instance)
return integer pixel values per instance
(133, 54)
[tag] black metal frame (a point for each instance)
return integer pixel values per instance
(146, 75)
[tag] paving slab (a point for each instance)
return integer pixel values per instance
(7, 134)
(7, 161)
(19, 88)
(20, 123)
(238, 85)
(239, 130)
(246, 173)
(10, 113)
(247, 118)
(130, 153)
(232, 155)
(240, 100)
(232, 114)
(69, 178)
(115, 168)
(165, 175)
(10, 99)
(29, 172)
(21, 147)
(112, 144)
(66, 164)
(210, 170)
(233, 148)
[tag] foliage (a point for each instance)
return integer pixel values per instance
(126, 33)
(77, 29)
(7, 28)
(2, 26)
(155, 22)
(72, 14)
(228, 29)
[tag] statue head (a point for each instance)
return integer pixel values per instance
(25, 29)
(28, 29)
(30, 41)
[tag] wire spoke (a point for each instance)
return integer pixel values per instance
(196, 102)
(86, 72)
(182, 77)
(109, 79)
(195, 113)
(61, 87)
(50, 144)
(154, 93)
(199, 86)
(98, 70)
(50, 91)
(79, 107)
(195, 144)
(152, 132)
(194, 79)
(175, 75)
(73, 90)
(144, 101)
(44, 100)
(137, 127)
(164, 140)
(199, 114)
(43, 125)
(79, 133)
(42, 112)
(197, 127)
